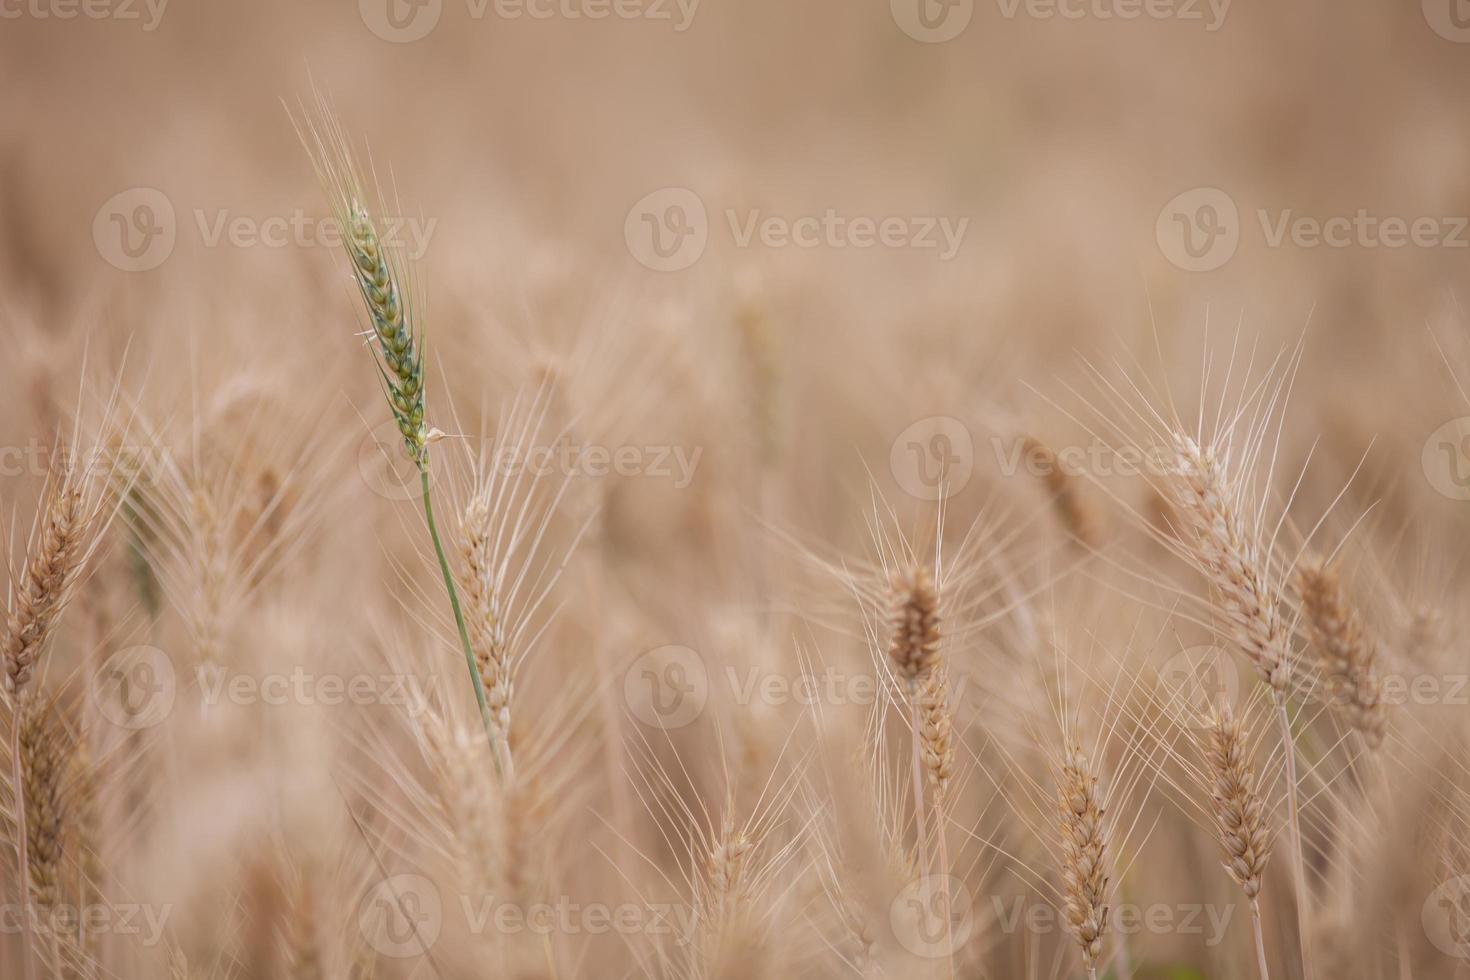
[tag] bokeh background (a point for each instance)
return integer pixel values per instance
(1115, 174)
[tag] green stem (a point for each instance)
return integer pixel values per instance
(464, 634)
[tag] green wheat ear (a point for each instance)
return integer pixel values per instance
(399, 344)
(402, 364)
(378, 274)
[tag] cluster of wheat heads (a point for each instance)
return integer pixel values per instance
(1088, 724)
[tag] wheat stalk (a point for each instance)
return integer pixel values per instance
(1237, 567)
(399, 350)
(1084, 855)
(913, 652)
(1240, 813)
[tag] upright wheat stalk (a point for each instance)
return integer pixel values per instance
(913, 652)
(398, 340)
(1240, 814)
(68, 528)
(1231, 557)
(1084, 855)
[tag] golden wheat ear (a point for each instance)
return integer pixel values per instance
(1347, 654)
(74, 510)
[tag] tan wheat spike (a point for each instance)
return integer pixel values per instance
(1240, 813)
(1232, 559)
(1076, 516)
(936, 729)
(1084, 855)
(1346, 653)
(65, 538)
(913, 644)
(46, 799)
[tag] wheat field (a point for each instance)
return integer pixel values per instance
(710, 489)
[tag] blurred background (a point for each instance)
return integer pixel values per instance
(790, 237)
